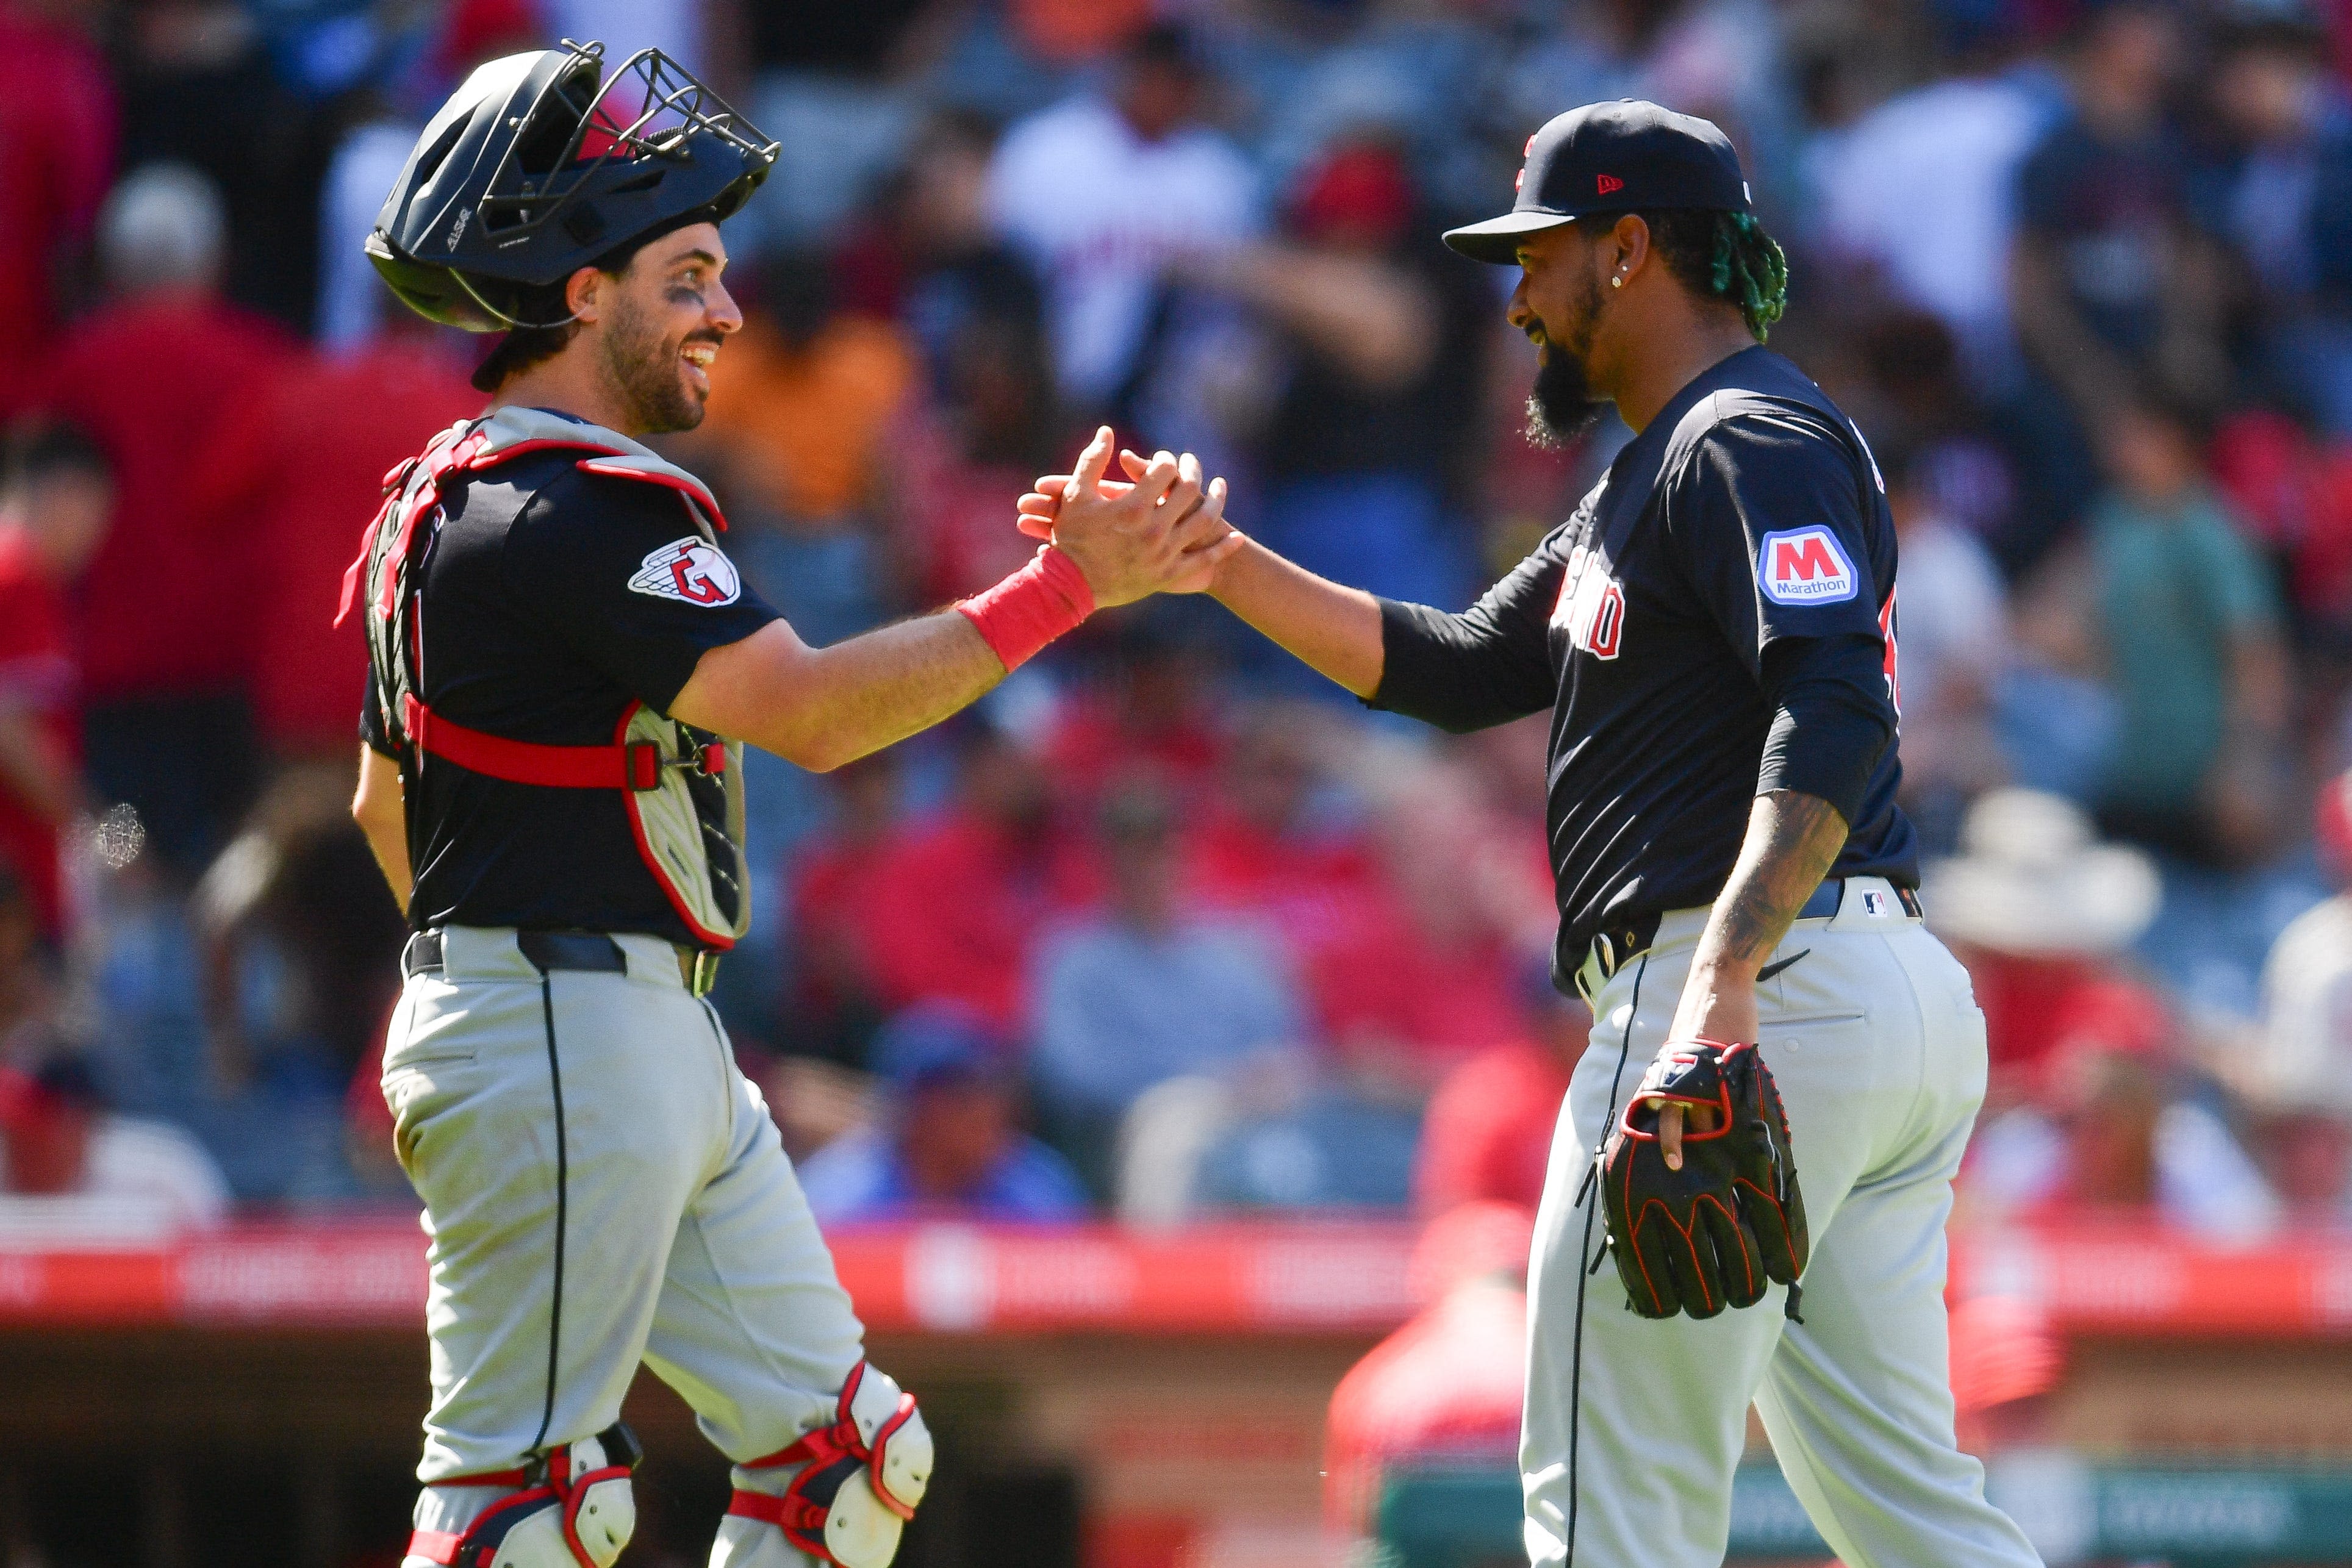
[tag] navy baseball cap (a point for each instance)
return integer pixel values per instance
(1622, 157)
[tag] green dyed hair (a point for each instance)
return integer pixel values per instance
(1727, 257)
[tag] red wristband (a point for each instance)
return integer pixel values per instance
(1028, 610)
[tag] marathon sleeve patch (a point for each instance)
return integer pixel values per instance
(689, 571)
(1805, 566)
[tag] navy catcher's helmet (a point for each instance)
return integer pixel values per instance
(533, 169)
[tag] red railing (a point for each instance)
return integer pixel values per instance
(1273, 1278)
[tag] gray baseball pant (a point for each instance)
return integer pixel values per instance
(603, 1188)
(1633, 1424)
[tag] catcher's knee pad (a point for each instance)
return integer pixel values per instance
(860, 1478)
(575, 1511)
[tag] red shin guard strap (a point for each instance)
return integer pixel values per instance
(1028, 610)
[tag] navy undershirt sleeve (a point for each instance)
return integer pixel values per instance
(1831, 718)
(1486, 665)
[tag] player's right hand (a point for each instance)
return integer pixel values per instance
(1161, 531)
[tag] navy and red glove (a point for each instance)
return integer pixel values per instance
(1714, 1233)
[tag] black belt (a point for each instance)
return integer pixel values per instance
(1621, 943)
(549, 950)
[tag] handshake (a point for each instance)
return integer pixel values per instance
(1160, 530)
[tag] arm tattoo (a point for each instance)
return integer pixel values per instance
(1792, 841)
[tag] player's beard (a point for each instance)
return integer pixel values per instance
(1561, 405)
(649, 373)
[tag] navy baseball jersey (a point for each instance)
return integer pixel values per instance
(1741, 538)
(554, 599)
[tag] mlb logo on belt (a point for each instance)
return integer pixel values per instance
(1804, 566)
(689, 571)
(1874, 904)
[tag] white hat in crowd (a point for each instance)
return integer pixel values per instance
(2032, 879)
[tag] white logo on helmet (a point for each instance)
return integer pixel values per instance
(1804, 566)
(691, 571)
(458, 229)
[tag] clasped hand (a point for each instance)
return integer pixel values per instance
(1162, 531)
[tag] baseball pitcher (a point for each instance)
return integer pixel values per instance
(1785, 1065)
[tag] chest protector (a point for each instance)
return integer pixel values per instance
(682, 788)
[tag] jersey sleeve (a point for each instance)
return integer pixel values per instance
(1765, 517)
(615, 570)
(1486, 665)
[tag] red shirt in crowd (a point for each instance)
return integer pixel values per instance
(177, 592)
(1488, 1134)
(2034, 1005)
(955, 910)
(57, 159)
(1094, 742)
(302, 468)
(37, 677)
(1446, 1387)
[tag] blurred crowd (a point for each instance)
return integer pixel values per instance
(1163, 929)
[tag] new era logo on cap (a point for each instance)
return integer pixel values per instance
(1607, 182)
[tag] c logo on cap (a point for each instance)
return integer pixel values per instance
(1607, 183)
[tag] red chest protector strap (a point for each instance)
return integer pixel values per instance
(632, 765)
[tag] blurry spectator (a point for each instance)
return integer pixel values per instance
(28, 993)
(169, 605)
(1269, 845)
(2112, 288)
(836, 1002)
(1921, 189)
(2192, 637)
(961, 465)
(1424, 968)
(2040, 912)
(1721, 59)
(2295, 491)
(1380, 355)
(2286, 201)
(1488, 1133)
(74, 1169)
(1289, 1142)
(803, 395)
(1952, 643)
(2301, 1075)
(1103, 190)
(1922, 415)
(954, 908)
(1150, 989)
(931, 257)
(1154, 712)
(57, 156)
(2005, 1359)
(1447, 1388)
(972, 306)
(199, 89)
(54, 500)
(2117, 1135)
(950, 1143)
(301, 466)
(302, 953)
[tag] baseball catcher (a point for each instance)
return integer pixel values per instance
(565, 666)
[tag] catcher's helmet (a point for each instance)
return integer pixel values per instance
(533, 169)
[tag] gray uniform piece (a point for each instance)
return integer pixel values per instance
(653, 1219)
(1633, 1424)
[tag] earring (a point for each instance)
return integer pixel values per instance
(1617, 281)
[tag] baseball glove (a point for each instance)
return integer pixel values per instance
(1713, 1234)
